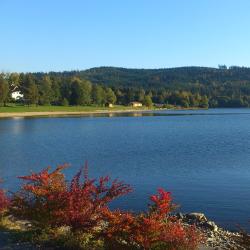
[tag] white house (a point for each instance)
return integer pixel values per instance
(17, 95)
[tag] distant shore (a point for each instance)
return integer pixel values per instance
(65, 113)
(72, 111)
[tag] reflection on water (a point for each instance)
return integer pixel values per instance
(202, 156)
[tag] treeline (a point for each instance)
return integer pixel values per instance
(49, 89)
(223, 86)
(186, 86)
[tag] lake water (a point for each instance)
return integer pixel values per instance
(202, 157)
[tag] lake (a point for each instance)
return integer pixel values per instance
(202, 156)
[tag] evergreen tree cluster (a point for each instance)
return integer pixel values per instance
(185, 87)
(50, 90)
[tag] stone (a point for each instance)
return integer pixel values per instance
(180, 216)
(211, 226)
(197, 216)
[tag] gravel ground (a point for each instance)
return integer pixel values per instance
(216, 238)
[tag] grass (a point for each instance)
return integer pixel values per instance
(16, 234)
(12, 108)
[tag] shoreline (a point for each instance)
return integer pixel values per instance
(215, 237)
(79, 113)
(70, 113)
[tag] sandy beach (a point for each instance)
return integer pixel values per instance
(65, 113)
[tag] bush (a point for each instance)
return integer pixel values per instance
(37, 199)
(156, 229)
(49, 202)
(64, 102)
(4, 202)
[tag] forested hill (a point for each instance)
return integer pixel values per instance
(169, 77)
(184, 86)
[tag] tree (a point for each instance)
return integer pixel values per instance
(193, 101)
(120, 96)
(80, 92)
(64, 102)
(13, 80)
(56, 93)
(110, 96)
(4, 90)
(203, 102)
(45, 91)
(86, 87)
(223, 67)
(29, 88)
(141, 95)
(148, 101)
(184, 86)
(130, 95)
(98, 95)
(65, 90)
(162, 96)
(32, 94)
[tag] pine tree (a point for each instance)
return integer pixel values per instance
(4, 90)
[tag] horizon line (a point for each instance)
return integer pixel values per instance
(120, 67)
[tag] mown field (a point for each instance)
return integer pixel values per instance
(21, 109)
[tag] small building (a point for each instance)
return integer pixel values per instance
(110, 105)
(159, 105)
(17, 95)
(135, 104)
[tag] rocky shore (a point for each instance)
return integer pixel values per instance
(216, 238)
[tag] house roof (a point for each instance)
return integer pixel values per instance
(136, 102)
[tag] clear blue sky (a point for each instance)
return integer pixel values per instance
(45, 35)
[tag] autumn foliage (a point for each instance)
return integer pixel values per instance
(156, 229)
(4, 201)
(48, 200)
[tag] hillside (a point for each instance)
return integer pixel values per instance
(184, 86)
(151, 78)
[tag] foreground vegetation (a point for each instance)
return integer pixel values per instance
(76, 215)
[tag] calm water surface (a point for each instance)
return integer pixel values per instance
(202, 157)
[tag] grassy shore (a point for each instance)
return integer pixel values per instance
(23, 111)
(33, 108)
(13, 110)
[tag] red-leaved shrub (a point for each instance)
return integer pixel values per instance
(37, 199)
(48, 200)
(156, 229)
(84, 202)
(4, 201)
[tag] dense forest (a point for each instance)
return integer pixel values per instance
(184, 86)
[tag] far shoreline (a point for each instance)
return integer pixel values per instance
(69, 113)
(79, 113)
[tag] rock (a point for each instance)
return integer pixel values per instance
(216, 237)
(210, 225)
(202, 247)
(197, 216)
(180, 216)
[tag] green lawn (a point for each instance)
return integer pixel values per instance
(19, 108)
